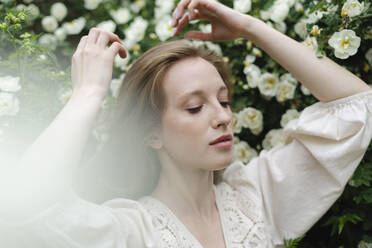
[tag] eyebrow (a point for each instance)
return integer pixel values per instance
(200, 92)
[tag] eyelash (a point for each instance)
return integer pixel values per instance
(197, 109)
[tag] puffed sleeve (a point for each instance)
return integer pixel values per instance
(75, 222)
(296, 183)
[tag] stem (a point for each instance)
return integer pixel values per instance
(18, 58)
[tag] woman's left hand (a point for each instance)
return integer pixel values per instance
(227, 24)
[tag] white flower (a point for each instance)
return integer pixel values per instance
(135, 32)
(75, 26)
(115, 85)
(289, 78)
(300, 28)
(305, 90)
(273, 138)
(268, 84)
(10, 84)
(243, 6)
(163, 7)
(109, 26)
(237, 125)
(9, 104)
(289, 115)
(20, 7)
(120, 62)
(58, 10)
(311, 42)
(368, 56)
(137, 6)
(315, 16)
(49, 23)
(214, 47)
(299, 7)
(205, 28)
(91, 4)
(279, 11)
(48, 40)
(253, 74)
(345, 43)
(280, 26)
(285, 91)
(265, 15)
(251, 118)
(163, 29)
(121, 16)
(60, 34)
(34, 10)
(64, 95)
(243, 152)
(257, 52)
(332, 8)
(363, 244)
(353, 8)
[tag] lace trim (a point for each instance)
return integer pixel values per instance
(241, 219)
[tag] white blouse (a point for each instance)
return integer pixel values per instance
(279, 195)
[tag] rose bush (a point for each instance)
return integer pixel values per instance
(38, 39)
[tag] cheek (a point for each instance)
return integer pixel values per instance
(183, 130)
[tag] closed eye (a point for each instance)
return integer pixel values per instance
(197, 109)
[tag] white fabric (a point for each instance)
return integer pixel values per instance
(279, 195)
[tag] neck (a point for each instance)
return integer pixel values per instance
(187, 192)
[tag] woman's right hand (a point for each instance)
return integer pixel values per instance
(92, 63)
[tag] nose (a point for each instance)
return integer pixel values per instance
(222, 116)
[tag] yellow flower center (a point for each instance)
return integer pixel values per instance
(315, 31)
(271, 81)
(136, 47)
(244, 154)
(344, 12)
(169, 28)
(345, 43)
(366, 68)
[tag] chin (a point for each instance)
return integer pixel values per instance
(223, 164)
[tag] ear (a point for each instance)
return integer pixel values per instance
(155, 141)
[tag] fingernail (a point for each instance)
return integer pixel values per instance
(172, 23)
(178, 15)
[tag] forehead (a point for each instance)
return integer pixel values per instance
(191, 74)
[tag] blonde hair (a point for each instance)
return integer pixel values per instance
(138, 111)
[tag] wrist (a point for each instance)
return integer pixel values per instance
(88, 95)
(250, 27)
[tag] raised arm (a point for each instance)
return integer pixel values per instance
(325, 79)
(47, 167)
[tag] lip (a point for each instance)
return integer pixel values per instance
(227, 138)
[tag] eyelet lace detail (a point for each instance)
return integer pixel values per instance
(241, 218)
(171, 235)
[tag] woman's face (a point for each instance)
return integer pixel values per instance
(196, 113)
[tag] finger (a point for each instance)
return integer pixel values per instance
(82, 43)
(178, 12)
(184, 21)
(92, 36)
(191, 9)
(197, 35)
(117, 48)
(105, 37)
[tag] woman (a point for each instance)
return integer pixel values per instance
(184, 92)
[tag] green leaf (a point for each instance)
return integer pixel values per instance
(362, 175)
